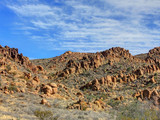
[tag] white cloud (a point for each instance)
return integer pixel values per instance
(39, 10)
(137, 6)
(81, 26)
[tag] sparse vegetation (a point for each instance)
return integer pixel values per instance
(44, 115)
(129, 69)
(28, 70)
(113, 103)
(12, 88)
(138, 111)
(13, 73)
(8, 68)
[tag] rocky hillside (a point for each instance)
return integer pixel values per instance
(100, 85)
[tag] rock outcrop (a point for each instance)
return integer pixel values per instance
(153, 56)
(148, 94)
(49, 89)
(94, 60)
(12, 53)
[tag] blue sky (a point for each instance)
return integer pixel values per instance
(48, 28)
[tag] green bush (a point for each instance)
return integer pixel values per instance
(8, 68)
(113, 103)
(28, 70)
(14, 73)
(43, 115)
(12, 88)
(129, 69)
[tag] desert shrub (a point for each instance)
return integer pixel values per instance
(44, 115)
(51, 75)
(86, 74)
(23, 77)
(28, 70)
(155, 74)
(14, 73)
(12, 88)
(129, 69)
(8, 68)
(113, 103)
(90, 97)
(13, 79)
(84, 106)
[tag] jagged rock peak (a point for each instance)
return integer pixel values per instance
(116, 51)
(155, 51)
(13, 54)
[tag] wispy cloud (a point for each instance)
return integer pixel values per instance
(86, 25)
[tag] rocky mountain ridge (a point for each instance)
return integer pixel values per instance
(100, 81)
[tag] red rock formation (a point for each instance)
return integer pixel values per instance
(116, 52)
(153, 56)
(147, 94)
(93, 60)
(40, 68)
(49, 89)
(13, 54)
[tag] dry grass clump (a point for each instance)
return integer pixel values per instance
(43, 115)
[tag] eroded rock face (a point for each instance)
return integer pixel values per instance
(153, 56)
(12, 53)
(92, 61)
(147, 69)
(109, 81)
(154, 51)
(116, 52)
(148, 94)
(49, 89)
(96, 84)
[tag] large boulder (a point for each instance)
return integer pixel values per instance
(49, 89)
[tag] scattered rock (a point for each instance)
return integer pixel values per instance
(45, 102)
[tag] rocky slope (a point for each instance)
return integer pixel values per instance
(87, 83)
